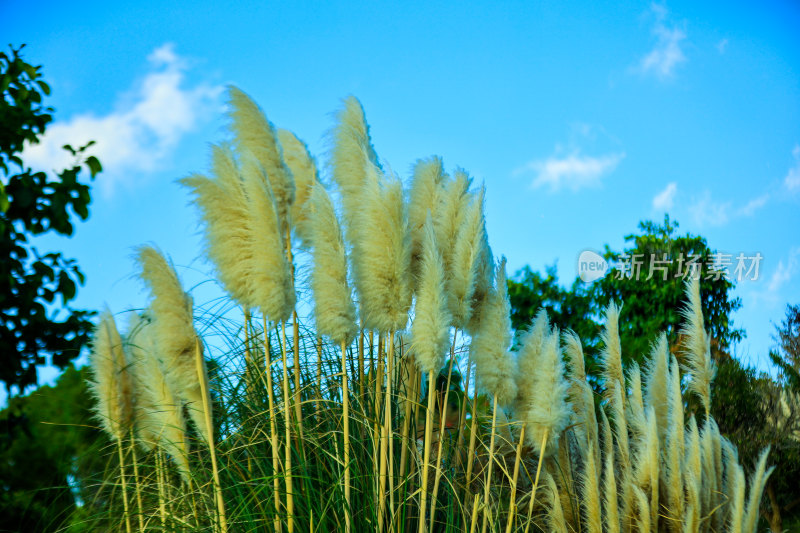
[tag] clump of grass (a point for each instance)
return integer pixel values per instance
(371, 405)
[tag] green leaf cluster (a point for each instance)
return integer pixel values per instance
(36, 288)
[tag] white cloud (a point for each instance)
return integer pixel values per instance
(722, 46)
(664, 200)
(707, 212)
(138, 135)
(753, 205)
(667, 53)
(574, 171)
(792, 179)
(783, 273)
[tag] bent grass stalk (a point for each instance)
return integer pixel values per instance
(490, 463)
(124, 486)
(273, 431)
(288, 447)
(512, 503)
(427, 454)
(442, 427)
(203, 378)
(137, 484)
(346, 415)
(536, 480)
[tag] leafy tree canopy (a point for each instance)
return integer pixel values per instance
(647, 277)
(36, 288)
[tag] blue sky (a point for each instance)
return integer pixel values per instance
(581, 119)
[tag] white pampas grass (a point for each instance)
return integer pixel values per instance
(555, 512)
(160, 421)
(243, 236)
(611, 355)
(333, 303)
(270, 276)
(110, 384)
(590, 491)
(255, 134)
(382, 256)
(697, 346)
(494, 365)
(527, 359)
(430, 329)
(423, 198)
(547, 411)
(304, 170)
(447, 218)
(635, 406)
(610, 504)
(462, 275)
(581, 395)
(351, 154)
(656, 384)
(758, 480)
(223, 207)
(174, 331)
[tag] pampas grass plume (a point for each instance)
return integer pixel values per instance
(697, 345)
(269, 274)
(174, 331)
(351, 155)
(333, 303)
(255, 134)
(547, 409)
(110, 384)
(223, 206)
(423, 198)
(304, 170)
(611, 355)
(466, 256)
(160, 421)
(382, 255)
(430, 329)
(494, 365)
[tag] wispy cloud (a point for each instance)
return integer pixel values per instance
(753, 205)
(664, 200)
(666, 53)
(574, 171)
(722, 46)
(707, 212)
(785, 270)
(792, 179)
(135, 137)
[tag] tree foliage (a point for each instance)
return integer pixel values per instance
(652, 298)
(36, 288)
(49, 455)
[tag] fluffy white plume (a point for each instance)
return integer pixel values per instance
(333, 302)
(430, 331)
(174, 331)
(255, 134)
(304, 170)
(159, 419)
(547, 410)
(494, 365)
(468, 248)
(531, 345)
(110, 384)
(423, 198)
(223, 206)
(381, 259)
(697, 345)
(351, 155)
(269, 271)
